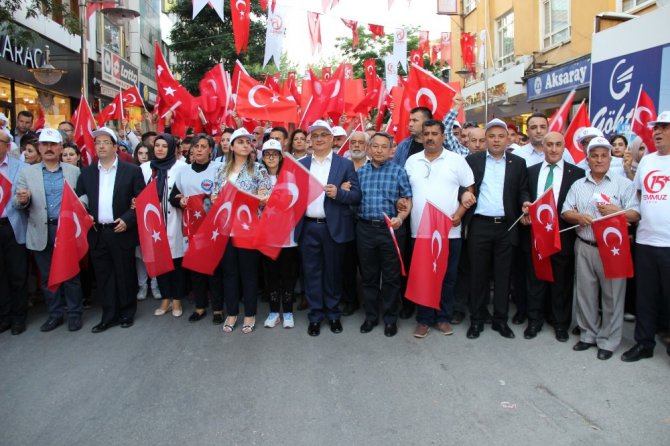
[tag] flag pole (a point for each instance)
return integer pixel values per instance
(522, 215)
(597, 219)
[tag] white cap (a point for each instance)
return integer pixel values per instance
(339, 131)
(663, 118)
(105, 131)
(496, 123)
(3, 117)
(51, 135)
(241, 133)
(457, 124)
(599, 141)
(272, 144)
(588, 132)
(320, 124)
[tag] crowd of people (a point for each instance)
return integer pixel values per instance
(484, 177)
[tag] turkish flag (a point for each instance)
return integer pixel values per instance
(84, 124)
(541, 265)
(296, 188)
(614, 246)
(71, 243)
(131, 97)
(208, 244)
(445, 49)
(354, 93)
(645, 112)
(5, 192)
(291, 84)
(314, 25)
(333, 89)
(544, 224)
(399, 124)
(370, 68)
(326, 73)
(154, 242)
(423, 89)
(370, 100)
(416, 57)
(239, 11)
(39, 123)
(395, 243)
(255, 100)
(435, 50)
(353, 26)
(112, 111)
(430, 258)
(581, 119)
(172, 97)
(194, 214)
(468, 51)
(245, 220)
(376, 30)
(92, 7)
(272, 83)
(424, 42)
(215, 95)
(560, 116)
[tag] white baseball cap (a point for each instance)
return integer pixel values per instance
(339, 131)
(496, 123)
(599, 141)
(320, 124)
(105, 131)
(241, 133)
(3, 117)
(271, 144)
(51, 135)
(663, 118)
(457, 124)
(588, 132)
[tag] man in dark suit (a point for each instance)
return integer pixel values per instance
(501, 188)
(556, 172)
(108, 188)
(328, 224)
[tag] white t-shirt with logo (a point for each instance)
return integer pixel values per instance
(652, 179)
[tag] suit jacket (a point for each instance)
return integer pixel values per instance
(339, 217)
(18, 218)
(31, 178)
(515, 189)
(571, 173)
(127, 185)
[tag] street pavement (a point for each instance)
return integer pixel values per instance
(166, 381)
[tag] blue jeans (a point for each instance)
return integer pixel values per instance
(430, 316)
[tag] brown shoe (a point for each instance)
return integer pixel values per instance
(421, 331)
(445, 328)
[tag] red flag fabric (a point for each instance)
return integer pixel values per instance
(430, 258)
(255, 100)
(208, 244)
(92, 7)
(424, 42)
(353, 26)
(645, 112)
(296, 188)
(239, 11)
(353, 95)
(71, 243)
(84, 124)
(581, 119)
(611, 235)
(5, 192)
(314, 24)
(40, 121)
(370, 72)
(416, 57)
(112, 111)
(334, 90)
(468, 51)
(560, 116)
(376, 30)
(215, 96)
(193, 215)
(395, 243)
(326, 73)
(435, 50)
(172, 97)
(423, 89)
(264, 5)
(291, 80)
(154, 242)
(272, 83)
(544, 224)
(445, 49)
(245, 220)
(132, 97)
(456, 86)
(541, 265)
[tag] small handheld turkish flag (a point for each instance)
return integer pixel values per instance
(580, 120)
(5, 192)
(544, 224)
(614, 247)
(541, 265)
(154, 242)
(645, 112)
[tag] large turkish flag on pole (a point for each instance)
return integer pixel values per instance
(544, 224)
(645, 112)
(560, 116)
(154, 242)
(425, 90)
(614, 246)
(255, 100)
(430, 258)
(71, 243)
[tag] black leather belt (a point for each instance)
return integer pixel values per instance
(375, 223)
(4, 221)
(594, 244)
(52, 221)
(105, 225)
(491, 219)
(316, 220)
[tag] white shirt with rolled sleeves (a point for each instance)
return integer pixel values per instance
(437, 181)
(652, 179)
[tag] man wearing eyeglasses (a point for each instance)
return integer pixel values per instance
(13, 254)
(107, 188)
(39, 190)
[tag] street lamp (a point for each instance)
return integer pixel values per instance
(47, 74)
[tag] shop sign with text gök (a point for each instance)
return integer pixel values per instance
(118, 71)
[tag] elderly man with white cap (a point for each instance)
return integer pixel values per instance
(652, 252)
(501, 188)
(328, 224)
(39, 189)
(584, 136)
(599, 194)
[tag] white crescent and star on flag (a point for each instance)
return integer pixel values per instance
(611, 230)
(152, 209)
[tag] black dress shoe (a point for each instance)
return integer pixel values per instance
(126, 323)
(103, 326)
(390, 330)
(474, 331)
(604, 354)
(314, 329)
(74, 324)
(51, 324)
(504, 330)
(335, 326)
(561, 334)
(518, 318)
(532, 330)
(217, 319)
(17, 329)
(4, 326)
(457, 318)
(636, 353)
(349, 308)
(195, 316)
(368, 326)
(581, 346)
(576, 331)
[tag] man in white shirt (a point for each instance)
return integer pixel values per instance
(533, 153)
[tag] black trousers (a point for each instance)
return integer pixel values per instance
(172, 284)
(519, 278)
(490, 251)
(653, 291)
(114, 266)
(462, 288)
(280, 277)
(349, 272)
(240, 270)
(13, 277)
(556, 295)
(375, 246)
(204, 286)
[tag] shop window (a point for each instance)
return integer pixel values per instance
(56, 108)
(5, 91)
(628, 5)
(555, 22)
(505, 39)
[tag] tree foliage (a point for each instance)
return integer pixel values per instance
(12, 9)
